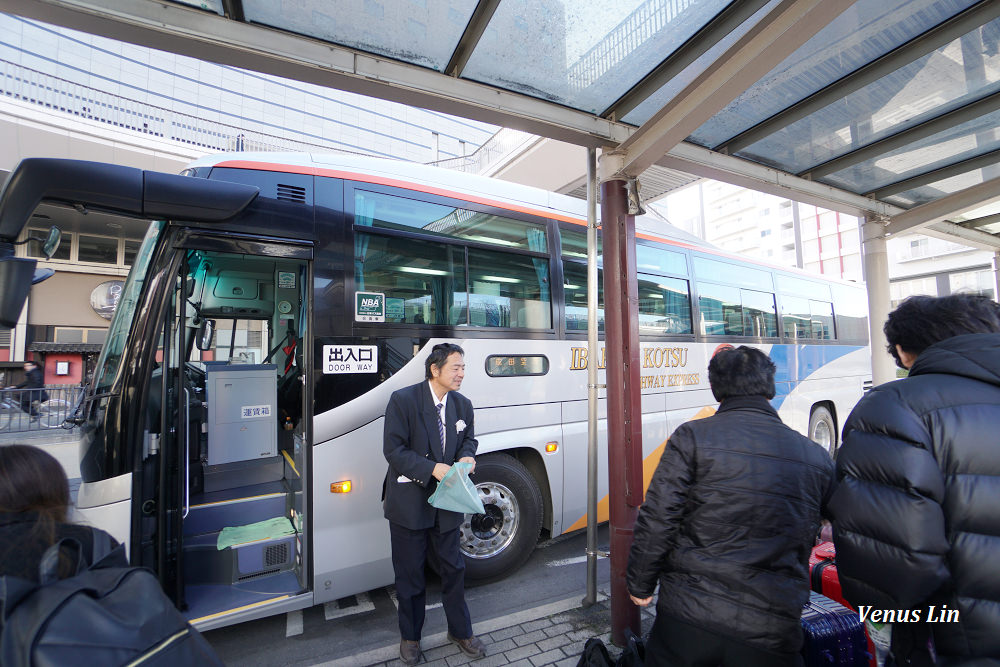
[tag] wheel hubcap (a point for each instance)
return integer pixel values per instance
(823, 435)
(486, 535)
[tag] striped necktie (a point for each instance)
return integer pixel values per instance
(441, 426)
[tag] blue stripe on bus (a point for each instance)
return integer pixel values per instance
(797, 362)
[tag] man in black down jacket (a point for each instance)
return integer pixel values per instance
(730, 518)
(917, 513)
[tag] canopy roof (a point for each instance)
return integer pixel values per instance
(883, 108)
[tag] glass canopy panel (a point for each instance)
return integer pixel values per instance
(961, 142)
(863, 33)
(961, 72)
(645, 110)
(210, 5)
(582, 53)
(933, 191)
(420, 33)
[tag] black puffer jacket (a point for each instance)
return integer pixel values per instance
(917, 513)
(730, 517)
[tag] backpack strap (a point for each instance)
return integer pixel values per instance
(48, 567)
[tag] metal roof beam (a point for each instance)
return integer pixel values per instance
(976, 223)
(941, 209)
(933, 39)
(949, 231)
(470, 38)
(208, 36)
(962, 167)
(776, 36)
(699, 161)
(906, 137)
(715, 30)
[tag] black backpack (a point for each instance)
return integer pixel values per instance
(595, 654)
(107, 613)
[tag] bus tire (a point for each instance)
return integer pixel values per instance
(498, 542)
(823, 429)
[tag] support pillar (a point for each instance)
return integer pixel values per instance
(996, 275)
(593, 354)
(877, 281)
(621, 304)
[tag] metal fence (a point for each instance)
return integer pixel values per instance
(23, 410)
(492, 153)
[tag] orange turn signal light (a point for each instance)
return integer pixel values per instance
(341, 487)
(551, 447)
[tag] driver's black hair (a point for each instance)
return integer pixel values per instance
(439, 355)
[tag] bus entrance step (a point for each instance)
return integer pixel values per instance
(213, 517)
(205, 563)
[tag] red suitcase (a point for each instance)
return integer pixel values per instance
(823, 573)
(823, 579)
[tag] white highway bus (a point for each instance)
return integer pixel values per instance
(232, 433)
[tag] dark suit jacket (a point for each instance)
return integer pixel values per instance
(412, 445)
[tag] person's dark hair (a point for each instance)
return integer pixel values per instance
(741, 371)
(31, 480)
(920, 321)
(439, 355)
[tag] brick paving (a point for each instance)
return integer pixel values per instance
(555, 639)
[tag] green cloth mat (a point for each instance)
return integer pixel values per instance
(262, 530)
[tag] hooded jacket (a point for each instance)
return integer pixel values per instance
(729, 520)
(917, 512)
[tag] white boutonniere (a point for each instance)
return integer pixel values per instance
(460, 425)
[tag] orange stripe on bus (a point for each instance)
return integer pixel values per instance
(648, 468)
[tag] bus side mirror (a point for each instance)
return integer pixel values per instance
(16, 276)
(51, 243)
(206, 331)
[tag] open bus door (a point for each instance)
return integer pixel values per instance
(225, 507)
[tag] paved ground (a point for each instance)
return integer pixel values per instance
(550, 635)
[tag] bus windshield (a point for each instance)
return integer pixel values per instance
(121, 322)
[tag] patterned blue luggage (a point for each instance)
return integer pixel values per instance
(833, 635)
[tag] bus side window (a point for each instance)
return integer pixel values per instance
(760, 315)
(822, 319)
(721, 310)
(575, 295)
(796, 317)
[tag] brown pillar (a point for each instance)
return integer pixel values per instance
(621, 326)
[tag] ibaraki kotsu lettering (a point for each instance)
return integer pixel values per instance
(664, 357)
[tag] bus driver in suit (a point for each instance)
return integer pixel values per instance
(428, 426)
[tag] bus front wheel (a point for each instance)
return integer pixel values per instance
(822, 429)
(499, 541)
